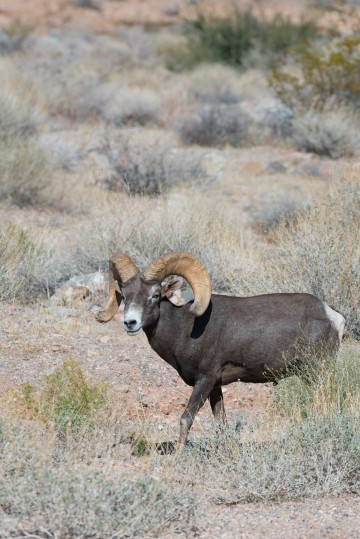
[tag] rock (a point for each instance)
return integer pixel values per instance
(71, 295)
(275, 167)
(143, 400)
(253, 167)
(172, 10)
(80, 287)
(88, 4)
(104, 339)
(311, 168)
(123, 389)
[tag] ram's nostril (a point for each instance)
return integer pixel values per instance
(130, 323)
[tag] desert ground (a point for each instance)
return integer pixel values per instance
(151, 127)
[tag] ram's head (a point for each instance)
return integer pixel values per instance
(143, 292)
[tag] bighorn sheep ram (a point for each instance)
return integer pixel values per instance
(219, 339)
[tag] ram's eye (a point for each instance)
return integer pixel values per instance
(156, 296)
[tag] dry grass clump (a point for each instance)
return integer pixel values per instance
(18, 115)
(146, 228)
(22, 260)
(323, 388)
(23, 162)
(319, 253)
(24, 172)
(318, 457)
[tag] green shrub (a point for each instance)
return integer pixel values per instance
(229, 39)
(67, 399)
(321, 73)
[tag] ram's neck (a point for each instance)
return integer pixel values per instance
(164, 336)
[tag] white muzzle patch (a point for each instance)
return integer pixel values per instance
(133, 320)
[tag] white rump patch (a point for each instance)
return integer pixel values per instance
(337, 320)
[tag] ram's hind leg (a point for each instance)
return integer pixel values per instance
(217, 404)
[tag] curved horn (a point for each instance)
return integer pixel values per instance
(189, 267)
(121, 269)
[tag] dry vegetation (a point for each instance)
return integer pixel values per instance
(148, 142)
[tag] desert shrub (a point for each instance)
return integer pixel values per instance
(62, 154)
(280, 33)
(215, 125)
(18, 116)
(67, 399)
(221, 40)
(272, 119)
(83, 500)
(22, 261)
(318, 252)
(151, 170)
(229, 39)
(24, 170)
(274, 209)
(321, 73)
(23, 162)
(132, 107)
(334, 133)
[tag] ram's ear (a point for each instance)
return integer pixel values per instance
(171, 290)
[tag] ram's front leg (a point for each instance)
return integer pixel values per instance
(199, 395)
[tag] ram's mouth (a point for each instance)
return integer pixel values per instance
(134, 333)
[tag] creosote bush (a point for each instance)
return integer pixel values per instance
(67, 399)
